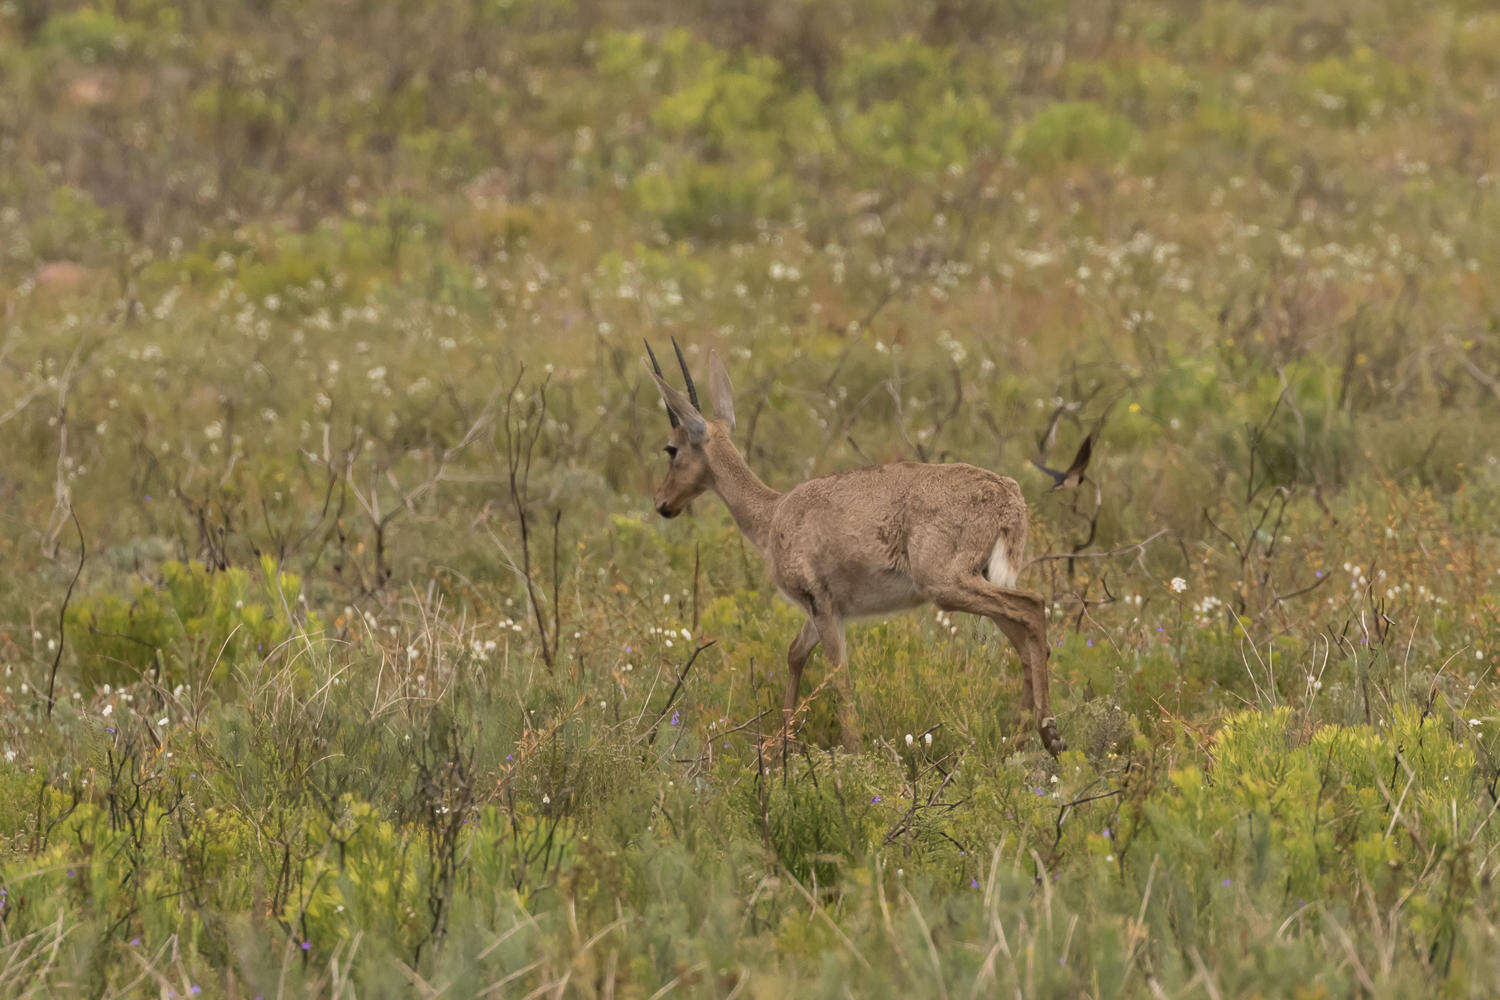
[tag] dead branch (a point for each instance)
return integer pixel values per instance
(62, 613)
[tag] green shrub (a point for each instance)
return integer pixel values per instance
(1146, 88)
(1475, 43)
(1311, 439)
(368, 883)
(1073, 132)
(742, 125)
(76, 227)
(924, 139)
(184, 627)
(1318, 811)
(1359, 87)
(909, 107)
(709, 199)
(91, 35)
(818, 819)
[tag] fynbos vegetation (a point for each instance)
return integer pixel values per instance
(344, 655)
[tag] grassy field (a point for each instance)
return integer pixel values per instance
(344, 656)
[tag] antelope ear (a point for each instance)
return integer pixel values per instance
(686, 413)
(720, 389)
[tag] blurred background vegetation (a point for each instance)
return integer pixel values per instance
(342, 654)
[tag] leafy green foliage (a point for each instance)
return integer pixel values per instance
(1073, 132)
(91, 35)
(187, 627)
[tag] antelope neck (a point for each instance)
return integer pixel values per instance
(749, 500)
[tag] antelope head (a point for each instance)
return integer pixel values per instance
(690, 468)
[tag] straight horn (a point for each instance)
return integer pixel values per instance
(657, 368)
(687, 377)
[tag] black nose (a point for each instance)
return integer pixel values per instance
(665, 511)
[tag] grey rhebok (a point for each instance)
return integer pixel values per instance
(865, 542)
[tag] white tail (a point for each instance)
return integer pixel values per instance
(1002, 570)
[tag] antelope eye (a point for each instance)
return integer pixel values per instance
(671, 450)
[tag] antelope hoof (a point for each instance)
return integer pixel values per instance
(1051, 738)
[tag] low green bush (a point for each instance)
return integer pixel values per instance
(188, 627)
(1073, 132)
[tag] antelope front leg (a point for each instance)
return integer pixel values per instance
(796, 658)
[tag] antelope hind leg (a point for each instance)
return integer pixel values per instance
(1023, 620)
(796, 658)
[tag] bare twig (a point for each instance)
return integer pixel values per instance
(62, 612)
(1139, 546)
(677, 688)
(520, 446)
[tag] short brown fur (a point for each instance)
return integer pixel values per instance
(867, 542)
